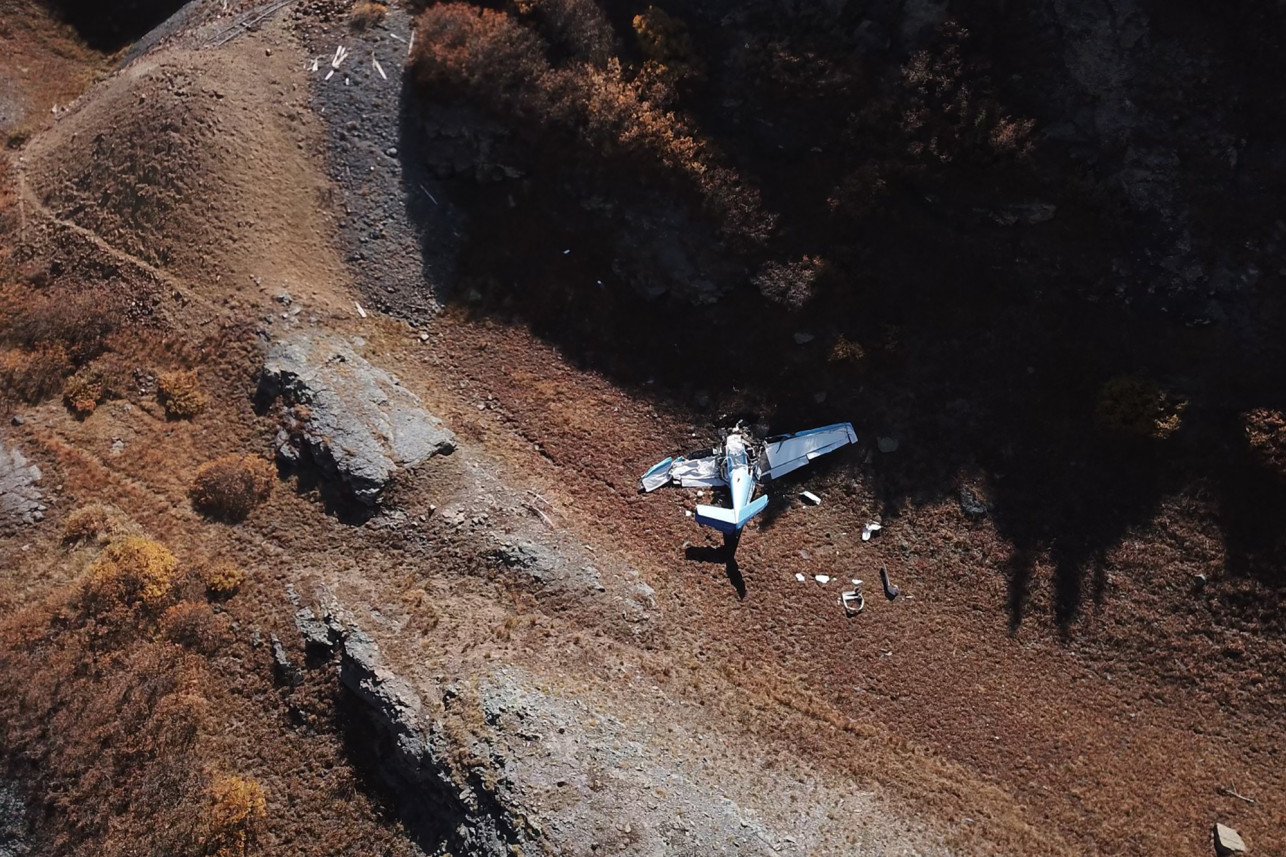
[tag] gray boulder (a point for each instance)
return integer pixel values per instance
(357, 424)
(20, 500)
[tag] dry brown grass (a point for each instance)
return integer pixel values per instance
(33, 376)
(181, 395)
(229, 488)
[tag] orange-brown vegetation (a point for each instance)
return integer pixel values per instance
(95, 522)
(1266, 434)
(492, 59)
(131, 570)
(229, 488)
(1136, 407)
(223, 579)
(180, 394)
(85, 391)
(365, 15)
(237, 813)
(195, 625)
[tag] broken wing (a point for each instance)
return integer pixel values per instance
(784, 454)
(690, 473)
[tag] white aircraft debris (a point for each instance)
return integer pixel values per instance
(341, 54)
(740, 463)
(890, 591)
(810, 498)
(316, 65)
(329, 74)
(360, 311)
(869, 528)
(799, 575)
(852, 601)
(379, 67)
(823, 579)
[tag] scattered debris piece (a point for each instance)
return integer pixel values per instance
(799, 575)
(810, 498)
(360, 311)
(870, 527)
(890, 591)
(316, 66)
(329, 74)
(341, 54)
(823, 579)
(410, 45)
(431, 197)
(852, 601)
(1227, 841)
(379, 67)
(1231, 792)
(887, 444)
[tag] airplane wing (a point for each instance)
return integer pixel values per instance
(783, 454)
(690, 473)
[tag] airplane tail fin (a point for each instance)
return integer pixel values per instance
(727, 520)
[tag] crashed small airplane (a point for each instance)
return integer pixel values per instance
(740, 465)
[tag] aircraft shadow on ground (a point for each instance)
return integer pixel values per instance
(976, 364)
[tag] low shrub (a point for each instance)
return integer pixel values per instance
(222, 580)
(1132, 406)
(365, 15)
(1265, 431)
(33, 376)
(132, 570)
(195, 626)
(238, 811)
(229, 488)
(85, 391)
(179, 393)
(96, 522)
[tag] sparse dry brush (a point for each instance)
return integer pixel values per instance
(229, 488)
(180, 394)
(85, 391)
(492, 59)
(365, 15)
(223, 579)
(96, 522)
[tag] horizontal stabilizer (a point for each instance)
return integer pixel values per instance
(728, 520)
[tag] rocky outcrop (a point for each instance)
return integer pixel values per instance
(13, 821)
(446, 806)
(351, 421)
(20, 499)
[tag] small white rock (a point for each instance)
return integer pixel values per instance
(800, 577)
(823, 579)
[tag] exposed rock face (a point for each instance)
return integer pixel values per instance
(353, 421)
(460, 810)
(1228, 841)
(20, 500)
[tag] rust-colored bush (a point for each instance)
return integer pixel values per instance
(662, 37)
(180, 394)
(236, 815)
(33, 376)
(95, 522)
(365, 15)
(788, 283)
(1265, 431)
(84, 391)
(1132, 406)
(223, 579)
(229, 488)
(845, 350)
(131, 570)
(195, 626)
(577, 29)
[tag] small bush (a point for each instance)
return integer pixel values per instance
(663, 38)
(180, 394)
(33, 376)
(237, 814)
(95, 523)
(365, 15)
(846, 350)
(195, 626)
(84, 391)
(229, 488)
(132, 570)
(1265, 431)
(1132, 406)
(224, 579)
(788, 283)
